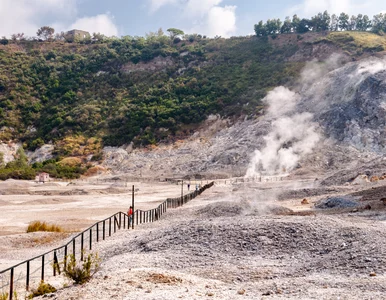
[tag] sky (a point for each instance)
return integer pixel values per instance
(139, 17)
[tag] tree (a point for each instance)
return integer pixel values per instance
(295, 23)
(334, 26)
(326, 20)
(18, 37)
(174, 33)
(46, 32)
(260, 29)
(60, 36)
(321, 22)
(352, 23)
(273, 26)
(343, 21)
(4, 41)
(98, 37)
(379, 23)
(366, 23)
(287, 26)
(304, 26)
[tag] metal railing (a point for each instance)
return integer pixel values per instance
(23, 275)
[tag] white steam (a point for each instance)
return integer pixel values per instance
(372, 66)
(293, 135)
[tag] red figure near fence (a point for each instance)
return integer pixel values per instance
(130, 214)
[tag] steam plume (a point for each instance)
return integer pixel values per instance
(293, 135)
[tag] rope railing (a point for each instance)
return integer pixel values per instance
(30, 272)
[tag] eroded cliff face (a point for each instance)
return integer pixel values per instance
(9, 151)
(349, 103)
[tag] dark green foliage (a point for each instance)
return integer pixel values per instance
(322, 22)
(4, 41)
(17, 169)
(81, 272)
(71, 89)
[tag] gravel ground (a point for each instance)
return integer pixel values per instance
(217, 248)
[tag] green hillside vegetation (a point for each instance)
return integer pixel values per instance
(82, 95)
(52, 90)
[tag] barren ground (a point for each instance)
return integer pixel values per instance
(234, 241)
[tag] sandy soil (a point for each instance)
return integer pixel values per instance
(74, 207)
(234, 241)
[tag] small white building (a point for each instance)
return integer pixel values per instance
(42, 177)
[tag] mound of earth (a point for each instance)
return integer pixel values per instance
(231, 209)
(337, 202)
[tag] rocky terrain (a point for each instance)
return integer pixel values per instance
(237, 241)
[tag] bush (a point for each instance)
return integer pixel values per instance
(4, 296)
(81, 272)
(43, 288)
(43, 226)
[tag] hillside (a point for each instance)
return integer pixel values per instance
(81, 98)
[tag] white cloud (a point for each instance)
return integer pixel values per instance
(312, 7)
(27, 16)
(157, 4)
(203, 16)
(218, 20)
(309, 8)
(200, 7)
(221, 21)
(100, 24)
(19, 16)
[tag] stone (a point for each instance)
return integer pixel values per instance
(305, 201)
(241, 292)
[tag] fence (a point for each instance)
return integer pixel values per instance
(22, 276)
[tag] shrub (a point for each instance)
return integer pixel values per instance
(43, 226)
(43, 288)
(4, 296)
(81, 272)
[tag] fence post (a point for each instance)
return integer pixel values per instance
(73, 247)
(182, 192)
(55, 264)
(65, 257)
(42, 268)
(110, 226)
(11, 285)
(97, 231)
(120, 219)
(81, 246)
(90, 238)
(27, 277)
(132, 204)
(104, 229)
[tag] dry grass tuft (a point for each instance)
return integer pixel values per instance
(161, 278)
(96, 170)
(43, 226)
(71, 161)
